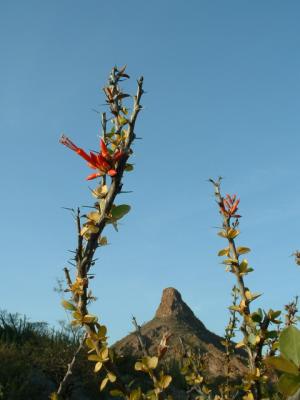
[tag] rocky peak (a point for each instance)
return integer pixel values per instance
(172, 305)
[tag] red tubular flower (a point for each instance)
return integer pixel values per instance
(104, 162)
(229, 206)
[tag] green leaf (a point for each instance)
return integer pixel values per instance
(165, 381)
(289, 343)
(77, 315)
(102, 330)
(135, 394)
(272, 334)
(234, 308)
(100, 192)
(243, 250)
(224, 252)
(103, 384)
(256, 317)
(103, 241)
(98, 366)
(150, 362)
(232, 233)
(243, 265)
(282, 364)
(67, 305)
(289, 384)
(104, 354)
(229, 261)
(94, 216)
(222, 234)
(112, 377)
(118, 212)
(138, 366)
(129, 167)
(274, 314)
(116, 393)
(253, 339)
(90, 343)
(251, 296)
(94, 357)
(88, 319)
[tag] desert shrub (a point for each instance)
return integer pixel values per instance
(33, 359)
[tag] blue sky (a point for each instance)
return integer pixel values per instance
(222, 82)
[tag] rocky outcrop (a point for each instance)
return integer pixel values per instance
(174, 316)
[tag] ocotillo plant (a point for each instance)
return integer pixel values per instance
(109, 165)
(254, 325)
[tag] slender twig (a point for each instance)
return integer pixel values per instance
(69, 372)
(139, 335)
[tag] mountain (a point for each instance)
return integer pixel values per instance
(175, 317)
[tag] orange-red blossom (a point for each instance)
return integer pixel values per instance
(229, 206)
(104, 162)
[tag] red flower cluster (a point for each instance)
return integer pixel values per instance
(229, 206)
(104, 162)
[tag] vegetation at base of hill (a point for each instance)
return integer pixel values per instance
(34, 359)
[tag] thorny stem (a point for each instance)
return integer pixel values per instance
(229, 335)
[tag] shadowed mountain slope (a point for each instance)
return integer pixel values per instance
(175, 316)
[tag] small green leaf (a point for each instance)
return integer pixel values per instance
(136, 394)
(256, 317)
(116, 393)
(118, 212)
(222, 234)
(88, 319)
(103, 384)
(232, 233)
(272, 334)
(102, 330)
(90, 343)
(104, 354)
(138, 366)
(165, 381)
(274, 314)
(77, 315)
(112, 377)
(230, 261)
(129, 167)
(68, 306)
(94, 357)
(224, 252)
(243, 250)
(103, 241)
(98, 366)
(151, 362)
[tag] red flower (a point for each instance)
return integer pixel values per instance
(229, 206)
(104, 162)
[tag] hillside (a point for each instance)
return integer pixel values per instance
(175, 317)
